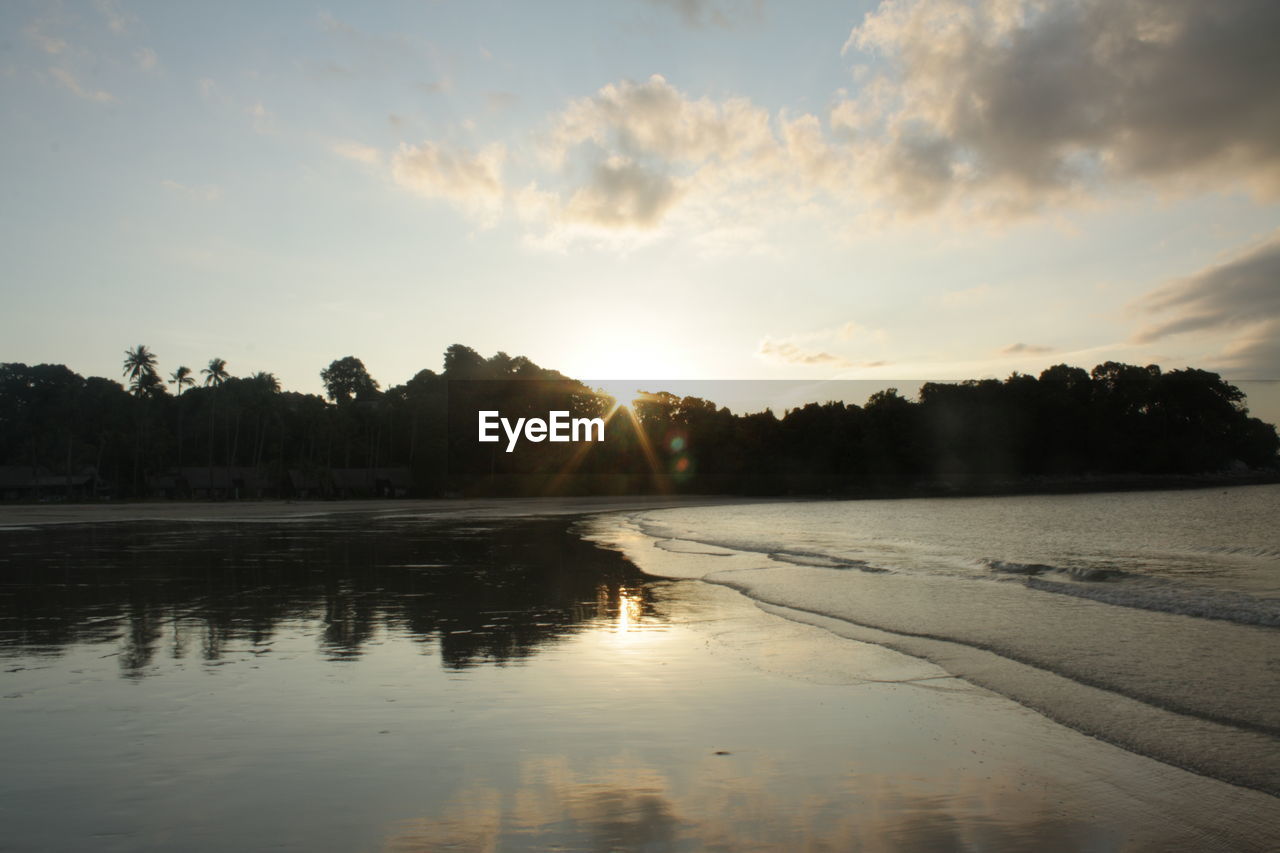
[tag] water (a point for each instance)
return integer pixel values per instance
(415, 682)
(1148, 619)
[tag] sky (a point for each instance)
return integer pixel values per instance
(657, 189)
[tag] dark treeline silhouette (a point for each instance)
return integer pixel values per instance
(62, 435)
(471, 595)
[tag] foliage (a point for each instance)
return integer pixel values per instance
(1117, 419)
(346, 379)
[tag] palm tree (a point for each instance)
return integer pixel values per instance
(140, 368)
(267, 381)
(216, 373)
(265, 386)
(182, 378)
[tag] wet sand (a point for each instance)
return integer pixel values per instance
(383, 681)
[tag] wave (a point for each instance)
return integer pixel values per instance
(1082, 573)
(1179, 599)
(687, 546)
(1260, 551)
(1110, 652)
(1101, 584)
(816, 560)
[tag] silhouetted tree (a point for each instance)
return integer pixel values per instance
(140, 368)
(1118, 419)
(346, 379)
(181, 378)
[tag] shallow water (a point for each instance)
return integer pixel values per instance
(363, 683)
(1149, 619)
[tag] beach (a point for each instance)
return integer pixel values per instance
(485, 676)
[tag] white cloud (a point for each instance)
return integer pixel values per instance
(639, 154)
(357, 151)
(470, 179)
(71, 84)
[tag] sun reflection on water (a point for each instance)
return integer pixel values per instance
(628, 611)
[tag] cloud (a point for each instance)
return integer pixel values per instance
(1239, 292)
(1255, 354)
(499, 101)
(470, 179)
(209, 192)
(49, 44)
(786, 352)
(357, 151)
(1001, 107)
(1239, 297)
(71, 84)
(968, 296)
(847, 330)
(117, 21)
(1025, 349)
(437, 87)
(146, 59)
(620, 194)
(706, 13)
(636, 154)
(654, 119)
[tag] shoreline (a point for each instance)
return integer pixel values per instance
(26, 515)
(56, 511)
(17, 513)
(1085, 684)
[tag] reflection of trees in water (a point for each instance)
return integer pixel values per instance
(476, 594)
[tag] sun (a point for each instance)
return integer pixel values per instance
(630, 355)
(623, 391)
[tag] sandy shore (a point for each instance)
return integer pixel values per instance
(23, 515)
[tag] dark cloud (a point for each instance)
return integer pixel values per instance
(1240, 296)
(1008, 104)
(1240, 292)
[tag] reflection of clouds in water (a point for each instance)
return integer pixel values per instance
(629, 806)
(551, 809)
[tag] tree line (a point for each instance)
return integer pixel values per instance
(1114, 420)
